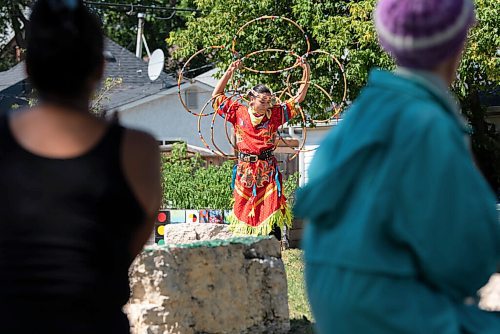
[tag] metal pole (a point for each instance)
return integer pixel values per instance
(146, 45)
(140, 30)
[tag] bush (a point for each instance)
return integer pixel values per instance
(188, 184)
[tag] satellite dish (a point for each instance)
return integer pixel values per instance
(155, 65)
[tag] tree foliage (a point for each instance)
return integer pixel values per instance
(13, 19)
(102, 95)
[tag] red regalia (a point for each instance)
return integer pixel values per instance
(259, 201)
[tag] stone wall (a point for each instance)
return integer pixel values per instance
(232, 286)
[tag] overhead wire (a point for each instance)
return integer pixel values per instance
(131, 7)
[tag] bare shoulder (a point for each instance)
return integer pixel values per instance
(139, 140)
(140, 150)
(141, 166)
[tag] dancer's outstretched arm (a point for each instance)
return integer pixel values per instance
(306, 76)
(221, 85)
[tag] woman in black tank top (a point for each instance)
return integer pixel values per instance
(78, 194)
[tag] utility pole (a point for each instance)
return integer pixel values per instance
(140, 32)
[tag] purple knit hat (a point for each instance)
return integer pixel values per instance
(423, 33)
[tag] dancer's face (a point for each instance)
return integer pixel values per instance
(261, 103)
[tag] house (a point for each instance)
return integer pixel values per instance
(138, 102)
(161, 112)
(313, 138)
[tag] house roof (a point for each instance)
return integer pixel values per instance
(6, 37)
(12, 76)
(120, 63)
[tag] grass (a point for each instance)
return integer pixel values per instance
(300, 311)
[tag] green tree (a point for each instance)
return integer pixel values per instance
(13, 15)
(102, 95)
(290, 185)
(345, 29)
(13, 19)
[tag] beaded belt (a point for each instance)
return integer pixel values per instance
(264, 155)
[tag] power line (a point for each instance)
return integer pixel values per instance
(132, 7)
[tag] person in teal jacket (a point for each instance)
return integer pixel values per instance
(402, 227)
